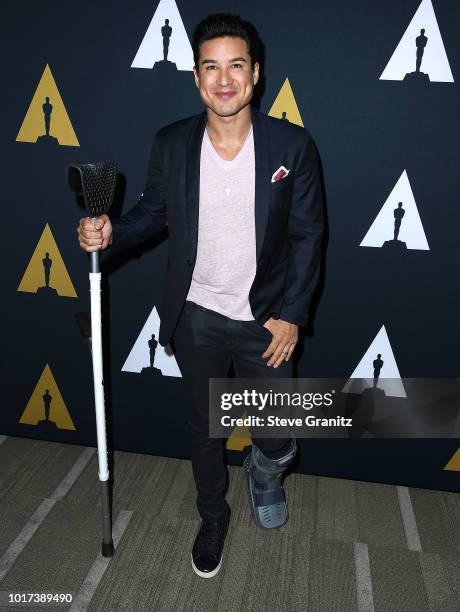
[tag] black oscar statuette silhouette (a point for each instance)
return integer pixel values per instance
(46, 289)
(166, 32)
(396, 244)
(371, 393)
(283, 116)
(47, 424)
(418, 76)
(371, 402)
(164, 66)
(151, 370)
(398, 214)
(152, 347)
(378, 364)
(47, 110)
(420, 43)
(46, 138)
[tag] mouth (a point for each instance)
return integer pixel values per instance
(225, 95)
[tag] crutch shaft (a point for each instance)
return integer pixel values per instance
(96, 343)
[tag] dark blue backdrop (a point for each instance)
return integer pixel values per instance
(367, 131)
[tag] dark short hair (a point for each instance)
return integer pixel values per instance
(225, 24)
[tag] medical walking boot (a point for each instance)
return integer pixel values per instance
(265, 489)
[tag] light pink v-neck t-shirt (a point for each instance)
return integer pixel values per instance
(225, 266)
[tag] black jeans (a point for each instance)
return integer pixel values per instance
(206, 343)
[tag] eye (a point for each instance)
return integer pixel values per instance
(210, 67)
(238, 65)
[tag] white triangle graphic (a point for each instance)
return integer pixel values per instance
(389, 378)
(151, 49)
(411, 230)
(434, 60)
(139, 357)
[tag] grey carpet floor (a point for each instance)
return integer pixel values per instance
(348, 545)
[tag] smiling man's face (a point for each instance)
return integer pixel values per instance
(225, 78)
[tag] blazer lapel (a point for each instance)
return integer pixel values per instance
(263, 176)
(192, 183)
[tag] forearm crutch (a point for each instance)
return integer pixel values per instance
(96, 183)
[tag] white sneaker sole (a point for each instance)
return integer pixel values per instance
(205, 574)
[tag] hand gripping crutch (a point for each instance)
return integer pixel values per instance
(96, 183)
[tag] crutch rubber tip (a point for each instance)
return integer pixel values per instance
(107, 549)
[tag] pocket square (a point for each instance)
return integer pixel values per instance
(279, 174)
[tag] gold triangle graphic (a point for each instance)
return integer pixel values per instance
(285, 106)
(47, 109)
(46, 408)
(239, 438)
(46, 272)
(454, 462)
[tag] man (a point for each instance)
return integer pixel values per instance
(242, 272)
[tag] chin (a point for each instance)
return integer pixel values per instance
(228, 111)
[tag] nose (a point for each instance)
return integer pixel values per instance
(224, 77)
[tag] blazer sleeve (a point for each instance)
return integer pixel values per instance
(148, 217)
(305, 228)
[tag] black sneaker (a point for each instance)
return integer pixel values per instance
(207, 549)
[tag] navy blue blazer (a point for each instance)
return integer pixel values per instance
(288, 217)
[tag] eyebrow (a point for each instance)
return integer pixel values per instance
(234, 59)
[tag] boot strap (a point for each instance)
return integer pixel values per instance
(273, 466)
(268, 498)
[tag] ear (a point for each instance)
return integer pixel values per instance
(197, 78)
(256, 72)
